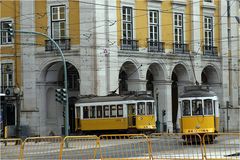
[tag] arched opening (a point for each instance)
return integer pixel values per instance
(149, 84)
(123, 82)
(209, 75)
(128, 72)
(204, 78)
(179, 78)
(53, 76)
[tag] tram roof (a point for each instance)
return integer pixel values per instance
(94, 99)
(197, 93)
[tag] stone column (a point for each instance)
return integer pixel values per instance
(136, 85)
(195, 27)
(164, 91)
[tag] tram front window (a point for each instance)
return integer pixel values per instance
(186, 108)
(208, 110)
(141, 108)
(85, 112)
(197, 107)
(150, 108)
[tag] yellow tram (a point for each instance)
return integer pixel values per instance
(199, 109)
(120, 113)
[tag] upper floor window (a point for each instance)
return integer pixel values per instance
(6, 38)
(127, 23)
(58, 22)
(153, 25)
(7, 74)
(127, 42)
(208, 31)
(178, 28)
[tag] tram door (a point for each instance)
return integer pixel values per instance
(131, 115)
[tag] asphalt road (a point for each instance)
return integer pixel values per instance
(171, 147)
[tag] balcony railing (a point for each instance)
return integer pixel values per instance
(154, 46)
(128, 44)
(180, 48)
(64, 44)
(210, 50)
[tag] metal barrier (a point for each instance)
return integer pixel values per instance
(176, 146)
(125, 146)
(80, 147)
(41, 148)
(221, 145)
(10, 148)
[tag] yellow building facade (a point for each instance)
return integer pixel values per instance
(122, 45)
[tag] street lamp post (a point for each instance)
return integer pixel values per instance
(64, 66)
(17, 94)
(157, 109)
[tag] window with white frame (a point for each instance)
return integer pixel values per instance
(208, 32)
(127, 23)
(7, 74)
(153, 25)
(208, 1)
(178, 29)
(6, 38)
(58, 22)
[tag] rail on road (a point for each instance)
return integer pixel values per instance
(160, 146)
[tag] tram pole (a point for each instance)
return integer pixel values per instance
(157, 122)
(66, 128)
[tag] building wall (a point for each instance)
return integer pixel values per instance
(10, 52)
(95, 32)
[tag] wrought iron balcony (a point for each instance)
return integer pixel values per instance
(64, 44)
(128, 44)
(180, 48)
(154, 46)
(210, 50)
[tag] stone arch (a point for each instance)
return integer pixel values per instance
(179, 77)
(210, 75)
(158, 70)
(56, 61)
(129, 71)
(155, 73)
(181, 70)
(51, 78)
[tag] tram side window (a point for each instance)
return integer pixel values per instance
(150, 108)
(141, 108)
(113, 111)
(186, 108)
(85, 112)
(77, 112)
(99, 111)
(106, 110)
(92, 112)
(120, 110)
(197, 107)
(208, 110)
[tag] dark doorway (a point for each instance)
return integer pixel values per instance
(204, 78)
(72, 77)
(72, 102)
(149, 82)
(174, 100)
(123, 82)
(8, 116)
